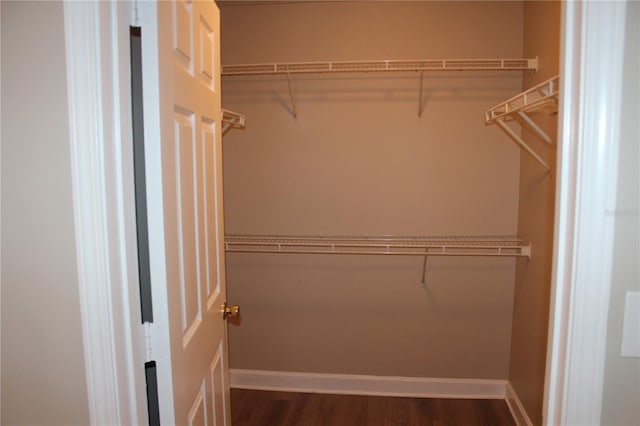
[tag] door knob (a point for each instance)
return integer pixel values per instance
(232, 311)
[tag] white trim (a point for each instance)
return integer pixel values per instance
(591, 75)
(518, 412)
(350, 384)
(99, 97)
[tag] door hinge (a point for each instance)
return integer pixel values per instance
(147, 342)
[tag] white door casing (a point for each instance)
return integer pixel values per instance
(182, 116)
(592, 61)
(100, 140)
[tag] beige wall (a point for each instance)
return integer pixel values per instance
(621, 391)
(358, 160)
(43, 379)
(535, 221)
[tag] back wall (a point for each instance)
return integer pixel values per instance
(358, 160)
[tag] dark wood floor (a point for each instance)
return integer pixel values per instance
(261, 408)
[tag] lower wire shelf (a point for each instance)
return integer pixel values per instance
(479, 245)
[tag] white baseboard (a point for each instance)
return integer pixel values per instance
(368, 385)
(517, 409)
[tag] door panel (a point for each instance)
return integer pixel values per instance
(197, 414)
(181, 66)
(212, 184)
(187, 226)
(218, 392)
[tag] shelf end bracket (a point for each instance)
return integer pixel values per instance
(517, 139)
(420, 95)
(424, 269)
(293, 101)
(543, 135)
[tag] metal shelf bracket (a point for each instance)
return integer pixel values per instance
(540, 98)
(293, 101)
(232, 120)
(420, 95)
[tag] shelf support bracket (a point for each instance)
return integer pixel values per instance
(232, 119)
(517, 139)
(293, 101)
(420, 95)
(543, 135)
(424, 269)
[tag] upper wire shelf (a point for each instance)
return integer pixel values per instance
(486, 245)
(412, 65)
(381, 66)
(540, 98)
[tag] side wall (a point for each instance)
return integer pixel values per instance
(43, 374)
(621, 391)
(359, 161)
(535, 221)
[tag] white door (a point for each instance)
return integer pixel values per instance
(182, 119)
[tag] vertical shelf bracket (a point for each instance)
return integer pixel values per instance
(420, 94)
(293, 101)
(424, 269)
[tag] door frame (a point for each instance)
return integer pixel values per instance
(98, 71)
(592, 61)
(101, 146)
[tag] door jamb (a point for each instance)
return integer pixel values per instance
(99, 102)
(592, 63)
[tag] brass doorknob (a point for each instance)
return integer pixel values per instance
(232, 311)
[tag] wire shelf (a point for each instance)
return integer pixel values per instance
(543, 97)
(381, 66)
(485, 245)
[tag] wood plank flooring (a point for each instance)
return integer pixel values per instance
(262, 408)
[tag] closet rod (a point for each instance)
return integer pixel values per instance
(382, 66)
(487, 245)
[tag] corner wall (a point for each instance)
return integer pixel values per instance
(43, 373)
(621, 385)
(541, 37)
(359, 161)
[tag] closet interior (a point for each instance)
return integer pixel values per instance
(404, 171)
